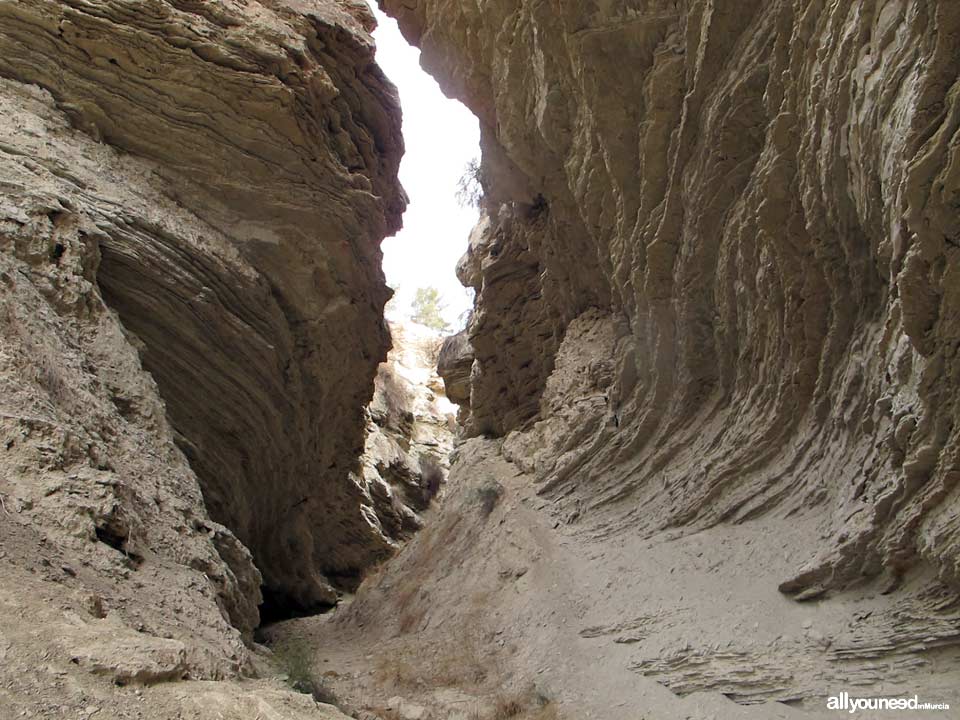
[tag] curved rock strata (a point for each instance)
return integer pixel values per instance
(740, 221)
(240, 249)
(109, 554)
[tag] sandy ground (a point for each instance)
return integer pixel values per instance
(518, 602)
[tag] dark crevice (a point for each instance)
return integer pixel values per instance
(118, 541)
(279, 606)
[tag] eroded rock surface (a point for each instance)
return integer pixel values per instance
(90, 462)
(192, 197)
(713, 357)
(781, 266)
(410, 431)
(267, 143)
(718, 284)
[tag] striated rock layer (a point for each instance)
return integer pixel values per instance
(192, 197)
(410, 430)
(222, 174)
(741, 221)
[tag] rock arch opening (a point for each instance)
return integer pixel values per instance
(441, 145)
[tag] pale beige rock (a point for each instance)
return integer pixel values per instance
(410, 429)
(192, 197)
(241, 702)
(714, 342)
(783, 265)
(248, 267)
(108, 648)
(718, 292)
(454, 364)
(90, 467)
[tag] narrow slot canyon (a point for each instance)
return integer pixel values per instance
(602, 366)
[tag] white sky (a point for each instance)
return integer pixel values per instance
(441, 136)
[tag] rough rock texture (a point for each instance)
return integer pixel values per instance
(513, 333)
(454, 363)
(192, 197)
(62, 659)
(240, 248)
(780, 261)
(741, 221)
(90, 465)
(410, 429)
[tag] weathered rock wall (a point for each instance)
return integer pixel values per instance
(410, 430)
(748, 214)
(763, 197)
(240, 249)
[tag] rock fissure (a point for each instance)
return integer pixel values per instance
(729, 315)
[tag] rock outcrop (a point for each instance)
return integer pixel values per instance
(454, 363)
(232, 168)
(192, 197)
(764, 201)
(410, 430)
(718, 284)
(709, 385)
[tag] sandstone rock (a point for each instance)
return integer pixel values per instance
(233, 702)
(718, 285)
(238, 174)
(92, 478)
(454, 365)
(409, 434)
(406, 710)
(780, 261)
(132, 659)
(193, 197)
(514, 331)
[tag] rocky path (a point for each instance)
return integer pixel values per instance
(518, 600)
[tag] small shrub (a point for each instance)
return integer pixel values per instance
(547, 711)
(487, 496)
(470, 186)
(395, 672)
(529, 705)
(507, 707)
(431, 477)
(296, 662)
(461, 663)
(428, 308)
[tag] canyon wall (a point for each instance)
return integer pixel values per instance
(761, 199)
(232, 168)
(718, 288)
(410, 432)
(709, 387)
(193, 198)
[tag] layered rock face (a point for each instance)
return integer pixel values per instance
(737, 225)
(102, 513)
(764, 197)
(223, 174)
(410, 431)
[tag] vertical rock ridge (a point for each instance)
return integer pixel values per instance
(236, 220)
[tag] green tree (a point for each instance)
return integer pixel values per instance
(469, 187)
(427, 308)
